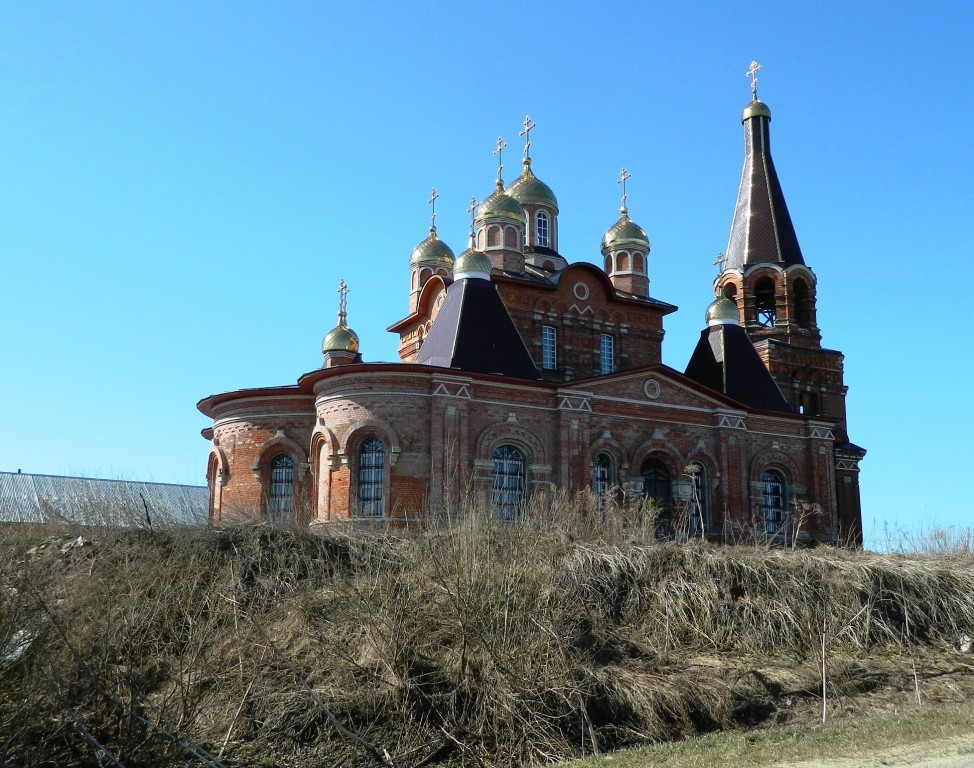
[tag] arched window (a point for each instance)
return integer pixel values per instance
(656, 487)
(510, 237)
(608, 265)
(493, 237)
(280, 494)
(764, 300)
(371, 477)
(541, 223)
(802, 302)
(699, 517)
(213, 481)
(772, 500)
(602, 478)
(508, 480)
(624, 261)
(730, 291)
(637, 262)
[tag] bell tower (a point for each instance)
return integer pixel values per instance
(765, 275)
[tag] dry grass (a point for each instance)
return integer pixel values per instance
(465, 642)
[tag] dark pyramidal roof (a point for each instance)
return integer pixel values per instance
(725, 360)
(473, 332)
(761, 231)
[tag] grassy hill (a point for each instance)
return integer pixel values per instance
(463, 642)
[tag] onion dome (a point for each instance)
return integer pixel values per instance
(472, 263)
(341, 338)
(432, 251)
(528, 189)
(500, 205)
(755, 109)
(625, 233)
(722, 311)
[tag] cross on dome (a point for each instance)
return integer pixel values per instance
(472, 210)
(624, 176)
(501, 146)
(721, 260)
(342, 301)
(752, 72)
(434, 195)
(529, 125)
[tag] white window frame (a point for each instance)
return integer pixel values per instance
(549, 347)
(542, 235)
(607, 354)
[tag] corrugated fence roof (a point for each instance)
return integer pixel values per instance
(28, 498)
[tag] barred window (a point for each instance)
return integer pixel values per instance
(508, 481)
(371, 477)
(607, 360)
(280, 496)
(699, 519)
(772, 500)
(549, 356)
(602, 478)
(542, 229)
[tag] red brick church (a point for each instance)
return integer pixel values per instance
(521, 372)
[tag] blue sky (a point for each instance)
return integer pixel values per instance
(183, 184)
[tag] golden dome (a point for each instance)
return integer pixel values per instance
(625, 233)
(471, 260)
(755, 109)
(432, 251)
(722, 311)
(502, 205)
(529, 189)
(341, 338)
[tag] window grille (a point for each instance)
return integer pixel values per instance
(601, 478)
(542, 229)
(371, 477)
(549, 356)
(607, 362)
(508, 482)
(280, 497)
(698, 500)
(772, 500)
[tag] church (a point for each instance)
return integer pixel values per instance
(521, 373)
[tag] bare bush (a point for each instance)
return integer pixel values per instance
(464, 641)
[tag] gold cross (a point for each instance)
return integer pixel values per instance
(342, 298)
(529, 124)
(721, 260)
(501, 146)
(752, 73)
(471, 210)
(624, 175)
(432, 201)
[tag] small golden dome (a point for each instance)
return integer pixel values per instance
(500, 205)
(755, 109)
(341, 338)
(529, 189)
(471, 260)
(722, 311)
(432, 251)
(625, 233)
